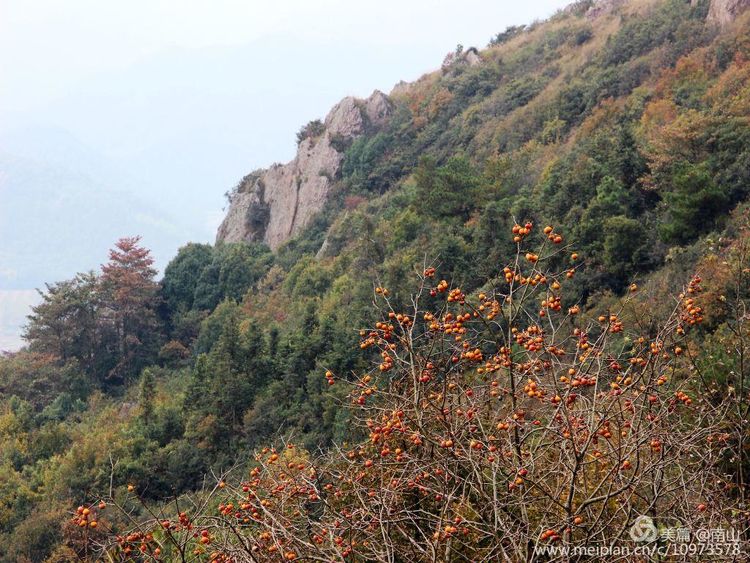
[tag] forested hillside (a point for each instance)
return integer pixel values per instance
(624, 127)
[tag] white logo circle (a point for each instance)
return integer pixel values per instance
(643, 530)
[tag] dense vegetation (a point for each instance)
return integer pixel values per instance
(495, 426)
(632, 130)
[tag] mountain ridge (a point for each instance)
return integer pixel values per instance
(273, 205)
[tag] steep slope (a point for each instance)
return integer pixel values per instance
(478, 102)
(623, 125)
(626, 124)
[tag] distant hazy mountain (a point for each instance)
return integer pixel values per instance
(60, 213)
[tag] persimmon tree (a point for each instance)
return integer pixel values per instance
(491, 423)
(721, 363)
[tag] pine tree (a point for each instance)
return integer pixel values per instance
(230, 384)
(147, 395)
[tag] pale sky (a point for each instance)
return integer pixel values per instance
(47, 46)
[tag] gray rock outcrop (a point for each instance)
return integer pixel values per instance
(469, 57)
(273, 205)
(723, 12)
(603, 7)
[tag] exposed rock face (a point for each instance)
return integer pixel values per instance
(377, 109)
(470, 57)
(723, 12)
(401, 88)
(275, 204)
(603, 7)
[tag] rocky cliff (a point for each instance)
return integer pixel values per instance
(720, 12)
(723, 12)
(273, 205)
(603, 7)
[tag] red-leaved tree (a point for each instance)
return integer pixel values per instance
(130, 299)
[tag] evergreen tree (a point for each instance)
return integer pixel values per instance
(64, 324)
(181, 276)
(147, 395)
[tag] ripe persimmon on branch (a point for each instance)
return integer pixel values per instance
(492, 423)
